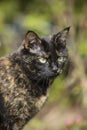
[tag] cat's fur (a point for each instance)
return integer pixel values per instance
(26, 74)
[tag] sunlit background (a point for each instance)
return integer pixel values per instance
(66, 108)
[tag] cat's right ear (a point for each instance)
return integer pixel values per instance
(31, 41)
(61, 37)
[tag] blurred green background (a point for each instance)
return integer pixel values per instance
(66, 108)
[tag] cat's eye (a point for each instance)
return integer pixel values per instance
(60, 59)
(43, 60)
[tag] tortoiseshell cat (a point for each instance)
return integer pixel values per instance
(26, 74)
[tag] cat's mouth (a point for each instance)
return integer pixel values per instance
(51, 75)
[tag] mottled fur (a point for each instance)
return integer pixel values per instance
(21, 96)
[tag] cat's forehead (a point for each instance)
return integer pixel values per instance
(46, 40)
(51, 48)
(48, 44)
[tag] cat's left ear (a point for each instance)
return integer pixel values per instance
(31, 42)
(60, 38)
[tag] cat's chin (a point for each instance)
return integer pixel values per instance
(53, 76)
(50, 77)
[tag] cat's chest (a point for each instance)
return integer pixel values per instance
(40, 102)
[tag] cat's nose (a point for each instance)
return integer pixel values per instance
(55, 68)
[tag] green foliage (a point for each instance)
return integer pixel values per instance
(35, 124)
(79, 5)
(56, 90)
(32, 22)
(83, 44)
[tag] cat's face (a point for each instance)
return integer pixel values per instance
(47, 55)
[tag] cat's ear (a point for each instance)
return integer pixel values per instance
(61, 37)
(31, 41)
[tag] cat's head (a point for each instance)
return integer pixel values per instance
(45, 56)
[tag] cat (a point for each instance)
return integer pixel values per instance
(26, 75)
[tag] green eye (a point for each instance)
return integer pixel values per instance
(42, 60)
(60, 59)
